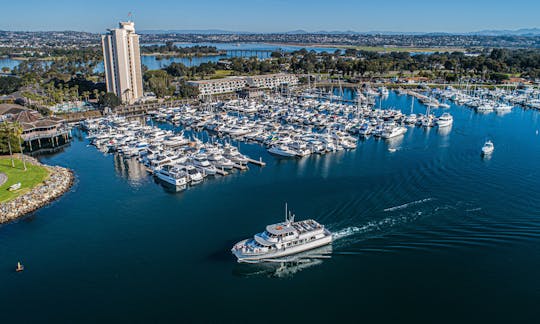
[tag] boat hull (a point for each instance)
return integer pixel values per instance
(276, 255)
(172, 181)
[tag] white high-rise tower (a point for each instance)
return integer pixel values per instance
(122, 62)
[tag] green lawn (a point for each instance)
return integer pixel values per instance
(33, 176)
(220, 74)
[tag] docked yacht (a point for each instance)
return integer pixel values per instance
(395, 131)
(282, 150)
(365, 129)
(488, 148)
(172, 175)
(444, 105)
(484, 107)
(282, 239)
(201, 162)
(502, 107)
(410, 119)
(193, 174)
(445, 120)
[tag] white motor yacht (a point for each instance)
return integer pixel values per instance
(195, 176)
(484, 107)
(365, 129)
(410, 119)
(488, 148)
(445, 120)
(502, 107)
(201, 162)
(282, 239)
(282, 150)
(172, 175)
(393, 132)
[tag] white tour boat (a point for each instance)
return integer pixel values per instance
(282, 239)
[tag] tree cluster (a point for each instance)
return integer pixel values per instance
(9, 84)
(169, 47)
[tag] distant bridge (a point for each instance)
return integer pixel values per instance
(262, 53)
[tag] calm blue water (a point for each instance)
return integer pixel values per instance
(9, 63)
(232, 51)
(153, 63)
(255, 46)
(429, 233)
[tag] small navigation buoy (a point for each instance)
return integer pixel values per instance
(20, 267)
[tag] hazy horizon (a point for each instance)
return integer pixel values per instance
(271, 16)
(277, 32)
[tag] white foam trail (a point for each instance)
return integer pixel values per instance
(408, 204)
(371, 226)
(474, 209)
(379, 225)
(351, 231)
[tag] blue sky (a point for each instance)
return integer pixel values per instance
(272, 15)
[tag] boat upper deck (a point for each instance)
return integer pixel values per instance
(282, 229)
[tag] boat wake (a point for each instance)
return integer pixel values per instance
(421, 201)
(374, 226)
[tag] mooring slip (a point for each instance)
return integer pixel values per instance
(288, 127)
(240, 167)
(257, 162)
(222, 172)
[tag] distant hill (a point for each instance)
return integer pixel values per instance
(518, 32)
(193, 31)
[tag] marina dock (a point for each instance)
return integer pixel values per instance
(312, 122)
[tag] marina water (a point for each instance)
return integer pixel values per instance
(429, 233)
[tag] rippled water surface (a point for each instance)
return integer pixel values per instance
(429, 233)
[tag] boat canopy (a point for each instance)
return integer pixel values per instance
(280, 229)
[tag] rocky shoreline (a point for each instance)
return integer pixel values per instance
(59, 182)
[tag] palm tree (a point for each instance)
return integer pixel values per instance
(96, 93)
(17, 132)
(6, 129)
(86, 95)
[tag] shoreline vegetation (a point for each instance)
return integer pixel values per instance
(169, 49)
(41, 184)
(412, 49)
(174, 54)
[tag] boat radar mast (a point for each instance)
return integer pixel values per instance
(289, 217)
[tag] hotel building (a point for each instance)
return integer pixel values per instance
(122, 62)
(236, 83)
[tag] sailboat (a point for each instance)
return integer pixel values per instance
(411, 118)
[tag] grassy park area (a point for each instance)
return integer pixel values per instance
(30, 178)
(220, 74)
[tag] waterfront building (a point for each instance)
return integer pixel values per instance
(38, 132)
(237, 83)
(122, 62)
(251, 92)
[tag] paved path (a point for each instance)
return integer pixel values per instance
(3, 178)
